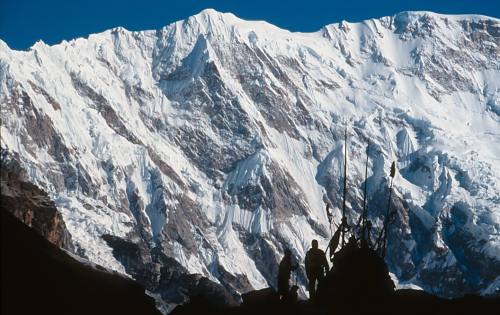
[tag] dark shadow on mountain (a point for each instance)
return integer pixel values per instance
(39, 278)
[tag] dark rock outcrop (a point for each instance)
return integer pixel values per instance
(356, 272)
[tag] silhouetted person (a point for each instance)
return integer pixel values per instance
(284, 273)
(316, 266)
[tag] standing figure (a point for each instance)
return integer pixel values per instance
(284, 273)
(316, 266)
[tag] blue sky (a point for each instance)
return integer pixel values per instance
(23, 22)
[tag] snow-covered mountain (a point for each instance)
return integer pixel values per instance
(217, 141)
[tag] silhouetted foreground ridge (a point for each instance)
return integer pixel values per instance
(39, 278)
(358, 283)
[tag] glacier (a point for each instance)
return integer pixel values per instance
(218, 141)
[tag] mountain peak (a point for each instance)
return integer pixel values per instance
(209, 12)
(156, 133)
(211, 16)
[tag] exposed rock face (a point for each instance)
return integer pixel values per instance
(216, 142)
(167, 279)
(31, 205)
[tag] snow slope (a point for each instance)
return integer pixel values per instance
(219, 140)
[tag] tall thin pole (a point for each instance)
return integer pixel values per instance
(387, 221)
(387, 217)
(345, 186)
(365, 214)
(330, 218)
